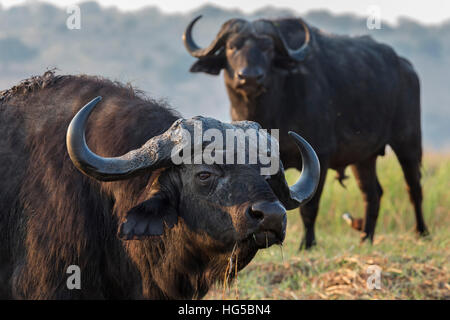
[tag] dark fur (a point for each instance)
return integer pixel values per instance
(350, 98)
(53, 216)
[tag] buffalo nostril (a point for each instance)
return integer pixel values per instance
(272, 217)
(269, 210)
(252, 76)
(256, 214)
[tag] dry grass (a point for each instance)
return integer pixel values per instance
(411, 268)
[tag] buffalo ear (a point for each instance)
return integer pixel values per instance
(148, 218)
(209, 64)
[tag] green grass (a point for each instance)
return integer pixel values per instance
(336, 268)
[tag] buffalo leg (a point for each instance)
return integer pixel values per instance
(411, 170)
(366, 176)
(309, 211)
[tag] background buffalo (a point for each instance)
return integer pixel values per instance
(349, 96)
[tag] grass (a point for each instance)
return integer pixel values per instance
(411, 268)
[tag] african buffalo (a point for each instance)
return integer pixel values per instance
(137, 225)
(348, 96)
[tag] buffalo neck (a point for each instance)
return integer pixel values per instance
(174, 266)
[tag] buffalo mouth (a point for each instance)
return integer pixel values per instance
(251, 89)
(265, 239)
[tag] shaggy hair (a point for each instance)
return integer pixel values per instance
(52, 216)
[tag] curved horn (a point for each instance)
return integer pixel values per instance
(301, 53)
(189, 42)
(150, 156)
(219, 42)
(193, 48)
(304, 189)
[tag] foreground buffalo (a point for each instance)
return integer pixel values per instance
(350, 97)
(136, 225)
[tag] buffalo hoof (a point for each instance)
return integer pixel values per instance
(424, 234)
(365, 236)
(307, 244)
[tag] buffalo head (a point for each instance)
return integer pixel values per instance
(225, 205)
(250, 51)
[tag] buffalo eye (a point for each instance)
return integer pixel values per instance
(203, 176)
(235, 44)
(231, 46)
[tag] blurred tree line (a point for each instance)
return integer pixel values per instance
(145, 49)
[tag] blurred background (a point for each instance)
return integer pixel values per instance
(139, 42)
(133, 42)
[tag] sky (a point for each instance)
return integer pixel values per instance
(428, 12)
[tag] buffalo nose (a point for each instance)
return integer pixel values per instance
(251, 75)
(272, 217)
